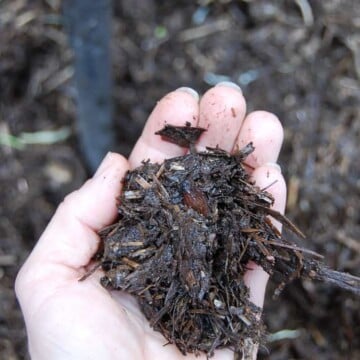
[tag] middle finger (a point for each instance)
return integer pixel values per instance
(222, 111)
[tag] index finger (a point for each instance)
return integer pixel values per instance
(176, 108)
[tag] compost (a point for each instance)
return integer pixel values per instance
(186, 232)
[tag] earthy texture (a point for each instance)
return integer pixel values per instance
(187, 229)
(302, 63)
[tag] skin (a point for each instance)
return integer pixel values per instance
(68, 319)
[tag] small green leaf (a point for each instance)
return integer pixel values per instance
(160, 32)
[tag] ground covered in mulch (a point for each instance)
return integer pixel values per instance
(298, 59)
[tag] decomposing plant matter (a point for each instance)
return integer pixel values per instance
(187, 229)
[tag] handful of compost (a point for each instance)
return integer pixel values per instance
(186, 231)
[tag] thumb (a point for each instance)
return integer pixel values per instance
(70, 239)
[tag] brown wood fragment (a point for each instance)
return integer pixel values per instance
(183, 136)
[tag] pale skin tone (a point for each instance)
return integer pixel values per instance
(68, 319)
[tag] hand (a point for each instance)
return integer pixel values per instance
(68, 319)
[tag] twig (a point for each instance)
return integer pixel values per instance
(293, 247)
(7, 260)
(306, 12)
(204, 30)
(348, 241)
(46, 137)
(340, 279)
(284, 334)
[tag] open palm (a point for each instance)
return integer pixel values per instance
(68, 319)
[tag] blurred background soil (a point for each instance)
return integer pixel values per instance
(299, 59)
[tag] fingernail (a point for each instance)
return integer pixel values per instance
(190, 91)
(274, 165)
(104, 164)
(229, 84)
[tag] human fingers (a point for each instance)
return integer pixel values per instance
(266, 176)
(222, 111)
(70, 239)
(266, 133)
(175, 108)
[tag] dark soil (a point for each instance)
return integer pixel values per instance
(299, 60)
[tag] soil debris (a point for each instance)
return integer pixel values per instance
(186, 232)
(184, 136)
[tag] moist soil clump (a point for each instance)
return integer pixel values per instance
(186, 232)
